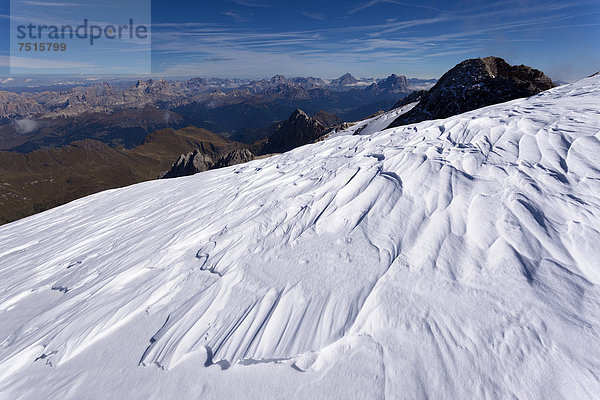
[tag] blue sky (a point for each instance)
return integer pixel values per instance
(90, 55)
(370, 38)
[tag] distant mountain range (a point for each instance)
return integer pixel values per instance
(43, 83)
(240, 110)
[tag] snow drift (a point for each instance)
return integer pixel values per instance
(452, 258)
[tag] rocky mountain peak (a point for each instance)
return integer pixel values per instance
(395, 83)
(278, 79)
(298, 114)
(141, 84)
(189, 164)
(235, 157)
(344, 80)
(198, 161)
(299, 129)
(473, 84)
(152, 85)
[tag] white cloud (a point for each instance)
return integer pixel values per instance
(50, 4)
(399, 3)
(253, 3)
(25, 126)
(317, 16)
(235, 15)
(37, 64)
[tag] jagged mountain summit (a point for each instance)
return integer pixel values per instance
(190, 164)
(197, 161)
(394, 83)
(298, 130)
(454, 258)
(235, 157)
(345, 80)
(474, 84)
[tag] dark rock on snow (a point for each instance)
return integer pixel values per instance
(474, 84)
(234, 157)
(189, 164)
(298, 130)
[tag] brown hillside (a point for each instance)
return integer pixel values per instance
(34, 182)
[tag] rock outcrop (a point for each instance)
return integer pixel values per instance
(473, 84)
(15, 105)
(189, 164)
(235, 157)
(298, 130)
(197, 161)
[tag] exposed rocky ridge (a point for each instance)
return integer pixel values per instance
(474, 84)
(235, 157)
(298, 130)
(16, 105)
(190, 164)
(196, 161)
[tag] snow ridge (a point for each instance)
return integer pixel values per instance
(454, 250)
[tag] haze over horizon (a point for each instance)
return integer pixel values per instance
(372, 38)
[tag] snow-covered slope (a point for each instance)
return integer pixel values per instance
(377, 123)
(456, 258)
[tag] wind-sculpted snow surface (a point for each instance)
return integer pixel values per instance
(454, 258)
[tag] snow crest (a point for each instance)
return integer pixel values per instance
(465, 247)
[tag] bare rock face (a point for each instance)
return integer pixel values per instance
(234, 157)
(16, 105)
(196, 161)
(190, 164)
(298, 130)
(473, 84)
